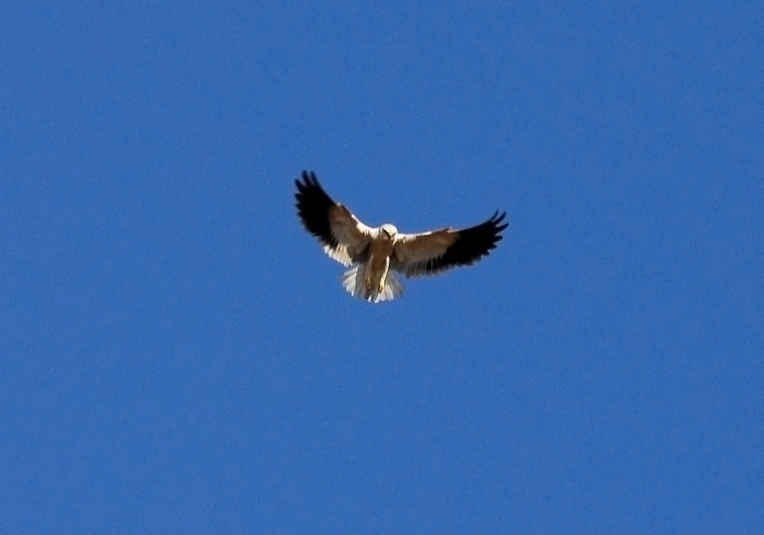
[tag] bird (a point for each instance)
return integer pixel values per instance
(375, 256)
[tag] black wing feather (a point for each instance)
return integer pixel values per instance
(313, 206)
(472, 244)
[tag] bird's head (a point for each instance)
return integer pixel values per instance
(389, 230)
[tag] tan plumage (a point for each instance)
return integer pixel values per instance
(375, 254)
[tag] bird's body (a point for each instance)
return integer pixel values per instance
(378, 263)
(376, 254)
(371, 278)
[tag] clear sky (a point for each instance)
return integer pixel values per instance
(178, 356)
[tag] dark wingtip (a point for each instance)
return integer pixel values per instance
(498, 218)
(308, 180)
(312, 207)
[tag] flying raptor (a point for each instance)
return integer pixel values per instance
(375, 254)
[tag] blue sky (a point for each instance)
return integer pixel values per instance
(178, 356)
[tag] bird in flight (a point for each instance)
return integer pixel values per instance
(374, 255)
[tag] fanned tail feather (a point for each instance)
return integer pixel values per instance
(353, 282)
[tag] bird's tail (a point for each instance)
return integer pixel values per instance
(353, 280)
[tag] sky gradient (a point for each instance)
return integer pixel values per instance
(178, 356)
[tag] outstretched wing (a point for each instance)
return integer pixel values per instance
(430, 253)
(343, 236)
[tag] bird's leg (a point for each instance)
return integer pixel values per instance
(383, 278)
(369, 278)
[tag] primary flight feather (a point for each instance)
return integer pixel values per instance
(375, 254)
